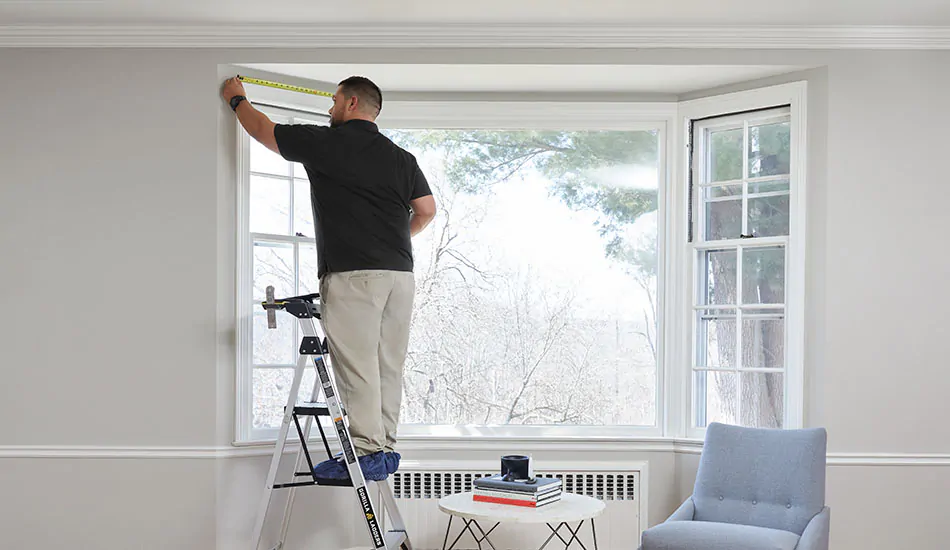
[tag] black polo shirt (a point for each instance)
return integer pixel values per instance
(360, 187)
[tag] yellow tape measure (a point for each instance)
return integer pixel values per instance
(281, 86)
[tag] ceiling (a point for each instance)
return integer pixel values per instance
(647, 12)
(639, 79)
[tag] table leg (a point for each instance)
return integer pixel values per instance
(468, 528)
(447, 529)
(484, 535)
(593, 533)
(555, 531)
(574, 536)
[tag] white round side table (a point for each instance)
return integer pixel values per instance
(570, 508)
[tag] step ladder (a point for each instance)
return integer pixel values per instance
(314, 352)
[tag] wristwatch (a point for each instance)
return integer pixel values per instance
(235, 101)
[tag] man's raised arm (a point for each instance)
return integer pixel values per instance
(256, 123)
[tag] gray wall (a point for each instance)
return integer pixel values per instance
(116, 285)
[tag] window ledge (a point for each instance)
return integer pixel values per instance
(420, 443)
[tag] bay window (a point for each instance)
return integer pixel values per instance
(556, 293)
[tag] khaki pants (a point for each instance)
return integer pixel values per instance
(366, 316)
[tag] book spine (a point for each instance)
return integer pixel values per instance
(515, 487)
(509, 501)
(519, 496)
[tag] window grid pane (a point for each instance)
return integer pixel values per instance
(270, 205)
(273, 266)
(743, 164)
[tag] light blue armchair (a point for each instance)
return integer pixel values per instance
(756, 489)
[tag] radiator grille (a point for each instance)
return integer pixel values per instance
(435, 485)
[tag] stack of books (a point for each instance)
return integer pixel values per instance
(496, 490)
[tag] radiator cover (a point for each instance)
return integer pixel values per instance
(418, 490)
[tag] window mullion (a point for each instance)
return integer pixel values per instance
(291, 188)
(745, 177)
(296, 331)
(739, 302)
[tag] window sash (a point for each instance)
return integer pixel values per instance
(700, 130)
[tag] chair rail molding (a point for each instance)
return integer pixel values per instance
(691, 447)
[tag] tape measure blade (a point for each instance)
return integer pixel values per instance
(282, 86)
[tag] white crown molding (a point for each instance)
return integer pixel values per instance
(678, 446)
(474, 35)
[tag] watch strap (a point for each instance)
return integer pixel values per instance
(235, 101)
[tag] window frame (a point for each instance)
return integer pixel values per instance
(629, 116)
(245, 239)
(793, 96)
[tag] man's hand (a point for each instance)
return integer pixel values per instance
(231, 88)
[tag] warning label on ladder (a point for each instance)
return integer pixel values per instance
(347, 446)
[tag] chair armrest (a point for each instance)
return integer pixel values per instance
(816, 533)
(685, 512)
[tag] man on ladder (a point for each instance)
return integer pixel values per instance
(362, 187)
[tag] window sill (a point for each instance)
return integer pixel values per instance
(505, 444)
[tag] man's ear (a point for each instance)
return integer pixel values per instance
(354, 103)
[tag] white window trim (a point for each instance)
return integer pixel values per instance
(681, 403)
(501, 115)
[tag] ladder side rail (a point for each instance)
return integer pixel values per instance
(335, 408)
(314, 394)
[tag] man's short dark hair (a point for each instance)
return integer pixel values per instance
(365, 89)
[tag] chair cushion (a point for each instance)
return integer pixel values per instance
(707, 535)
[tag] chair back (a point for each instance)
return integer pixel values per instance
(761, 477)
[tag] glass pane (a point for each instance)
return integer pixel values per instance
(488, 274)
(725, 155)
(309, 284)
(768, 216)
(270, 205)
(763, 275)
(274, 346)
(716, 397)
(769, 149)
(768, 186)
(273, 265)
(720, 269)
(303, 209)
(717, 339)
(716, 191)
(723, 220)
(763, 342)
(763, 399)
(299, 171)
(270, 388)
(266, 161)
